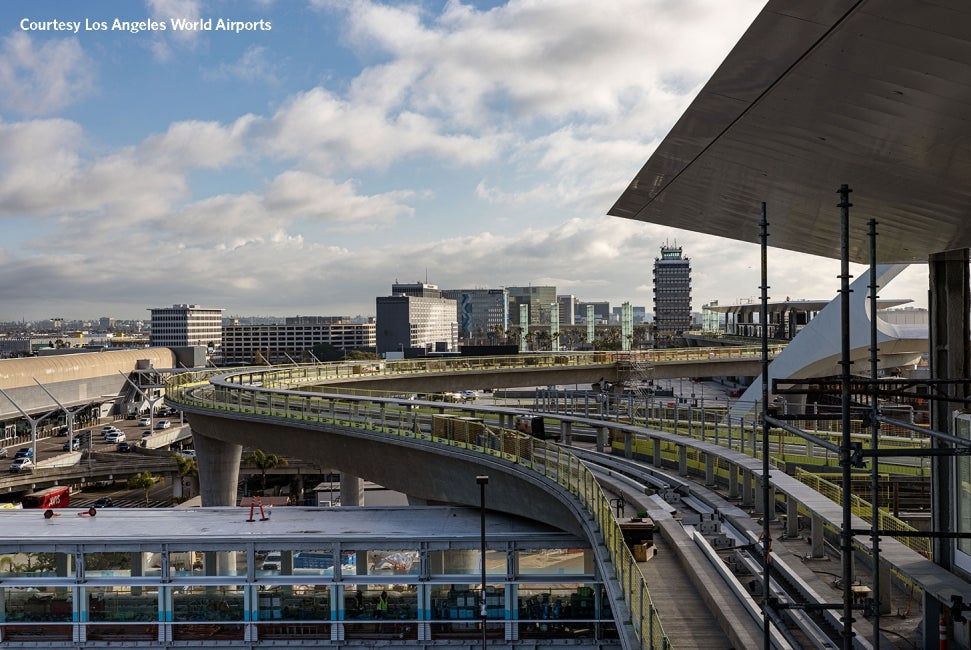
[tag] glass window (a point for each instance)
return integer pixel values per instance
(122, 613)
(207, 563)
(552, 561)
(35, 565)
(466, 562)
(379, 611)
(456, 609)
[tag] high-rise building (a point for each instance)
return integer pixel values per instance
(540, 301)
(672, 293)
(184, 325)
(407, 321)
(567, 304)
(481, 313)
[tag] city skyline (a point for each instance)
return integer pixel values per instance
(302, 160)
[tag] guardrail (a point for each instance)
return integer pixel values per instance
(247, 392)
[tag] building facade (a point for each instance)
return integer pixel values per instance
(601, 311)
(482, 314)
(186, 325)
(539, 300)
(672, 294)
(409, 322)
(567, 304)
(293, 341)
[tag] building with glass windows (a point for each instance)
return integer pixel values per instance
(482, 314)
(196, 577)
(672, 294)
(181, 326)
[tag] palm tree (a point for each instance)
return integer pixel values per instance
(144, 481)
(265, 462)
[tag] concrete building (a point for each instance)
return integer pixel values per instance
(289, 342)
(408, 322)
(672, 293)
(186, 325)
(567, 304)
(539, 300)
(482, 314)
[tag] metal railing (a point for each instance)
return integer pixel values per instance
(260, 393)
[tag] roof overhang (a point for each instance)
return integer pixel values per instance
(875, 94)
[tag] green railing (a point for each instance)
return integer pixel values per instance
(239, 395)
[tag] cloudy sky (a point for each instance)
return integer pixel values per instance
(302, 160)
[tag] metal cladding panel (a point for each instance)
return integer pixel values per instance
(873, 94)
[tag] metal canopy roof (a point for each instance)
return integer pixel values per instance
(875, 94)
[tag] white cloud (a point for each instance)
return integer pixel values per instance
(42, 78)
(253, 65)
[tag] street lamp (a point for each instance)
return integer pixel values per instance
(483, 612)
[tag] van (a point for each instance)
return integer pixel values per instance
(272, 561)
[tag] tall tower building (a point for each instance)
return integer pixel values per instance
(481, 313)
(540, 300)
(672, 294)
(184, 325)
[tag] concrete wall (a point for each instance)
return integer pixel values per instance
(419, 469)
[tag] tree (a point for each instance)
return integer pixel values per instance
(187, 468)
(265, 462)
(144, 481)
(360, 355)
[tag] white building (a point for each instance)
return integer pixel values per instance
(294, 341)
(186, 325)
(407, 322)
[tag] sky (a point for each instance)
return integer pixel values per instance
(297, 157)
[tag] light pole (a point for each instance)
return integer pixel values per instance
(483, 612)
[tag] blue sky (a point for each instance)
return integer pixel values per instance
(301, 169)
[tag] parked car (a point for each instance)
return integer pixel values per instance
(25, 452)
(115, 437)
(103, 502)
(73, 445)
(145, 422)
(123, 448)
(163, 424)
(3, 452)
(22, 464)
(187, 453)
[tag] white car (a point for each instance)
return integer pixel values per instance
(21, 465)
(163, 424)
(115, 437)
(187, 453)
(145, 422)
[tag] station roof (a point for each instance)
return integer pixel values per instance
(875, 95)
(807, 305)
(287, 527)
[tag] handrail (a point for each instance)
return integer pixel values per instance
(230, 393)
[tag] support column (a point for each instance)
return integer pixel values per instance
(818, 546)
(949, 330)
(218, 464)
(352, 490)
(683, 460)
(601, 439)
(709, 469)
(566, 432)
(656, 458)
(628, 444)
(748, 490)
(733, 482)
(792, 516)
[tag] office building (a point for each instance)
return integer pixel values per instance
(567, 304)
(672, 294)
(293, 341)
(416, 289)
(408, 322)
(482, 314)
(601, 311)
(539, 300)
(186, 325)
